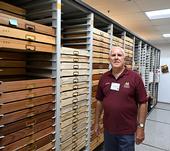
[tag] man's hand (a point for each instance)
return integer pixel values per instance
(140, 135)
(97, 129)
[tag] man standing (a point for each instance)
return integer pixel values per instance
(122, 96)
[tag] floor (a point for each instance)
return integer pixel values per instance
(157, 130)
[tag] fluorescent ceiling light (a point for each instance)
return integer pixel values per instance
(158, 14)
(166, 35)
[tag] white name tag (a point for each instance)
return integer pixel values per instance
(115, 86)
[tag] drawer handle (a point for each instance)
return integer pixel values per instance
(75, 53)
(75, 73)
(1, 126)
(75, 120)
(1, 115)
(75, 94)
(30, 47)
(30, 37)
(75, 107)
(75, 66)
(30, 86)
(75, 80)
(29, 27)
(75, 87)
(2, 147)
(75, 100)
(75, 59)
(75, 114)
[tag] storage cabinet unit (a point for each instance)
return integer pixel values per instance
(52, 55)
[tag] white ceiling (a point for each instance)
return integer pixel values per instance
(130, 14)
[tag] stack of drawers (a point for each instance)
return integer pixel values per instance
(118, 42)
(101, 48)
(129, 46)
(74, 98)
(26, 114)
(26, 98)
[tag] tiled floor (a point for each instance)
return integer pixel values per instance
(157, 130)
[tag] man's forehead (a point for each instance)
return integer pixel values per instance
(118, 50)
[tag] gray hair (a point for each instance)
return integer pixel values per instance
(117, 47)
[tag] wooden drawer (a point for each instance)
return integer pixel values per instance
(101, 44)
(24, 123)
(100, 66)
(75, 59)
(65, 73)
(75, 52)
(100, 60)
(15, 116)
(25, 94)
(26, 35)
(24, 104)
(47, 147)
(77, 79)
(12, 8)
(25, 84)
(101, 33)
(100, 49)
(100, 55)
(12, 71)
(96, 76)
(11, 14)
(28, 140)
(12, 64)
(69, 101)
(12, 56)
(26, 25)
(101, 38)
(13, 137)
(100, 71)
(74, 66)
(74, 86)
(74, 93)
(21, 45)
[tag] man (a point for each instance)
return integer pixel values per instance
(122, 96)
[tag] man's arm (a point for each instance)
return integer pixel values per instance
(99, 109)
(142, 113)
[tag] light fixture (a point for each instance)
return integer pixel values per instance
(158, 14)
(166, 35)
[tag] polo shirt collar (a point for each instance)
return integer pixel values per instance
(125, 72)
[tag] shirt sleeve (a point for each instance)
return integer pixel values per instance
(141, 94)
(99, 92)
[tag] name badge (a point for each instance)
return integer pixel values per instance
(115, 86)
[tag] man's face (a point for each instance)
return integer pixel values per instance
(117, 58)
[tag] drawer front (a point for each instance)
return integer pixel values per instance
(74, 72)
(15, 116)
(100, 55)
(24, 104)
(25, 84)
(26, 122)
(75, 59)
(74, 93)
(100, 66)
(101, 33)
(26, 35)
(100, 60)
(101, 44)
(69, 101)
(12, 8)
(74, 66)
(74, 86)
(13, 137)
(75, 52)
(12, 71)
(101, 38)
(29, 140)
(66, 80)
(30, 46)
(99, 71)
(100, 49)
(25, 94)
(26, 25)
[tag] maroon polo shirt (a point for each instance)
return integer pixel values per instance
(120, 106)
